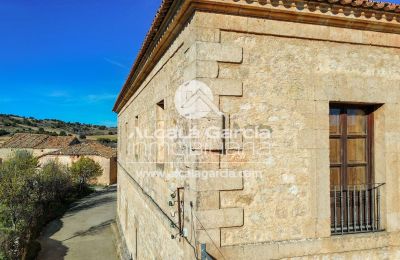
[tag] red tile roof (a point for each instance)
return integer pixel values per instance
(87, 148)
(57, 142)
(39, 141)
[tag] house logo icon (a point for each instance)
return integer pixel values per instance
(194, 100)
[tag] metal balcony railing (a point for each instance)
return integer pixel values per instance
(356, 209)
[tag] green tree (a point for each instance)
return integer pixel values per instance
(30, 197)
(54, 181)
(63, 133)
(85, 170)
(18, 211)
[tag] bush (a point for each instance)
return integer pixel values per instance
(85, 170)
(106, 141)
(18, 201)
(29, 198)
(63, 133)
(3, 132)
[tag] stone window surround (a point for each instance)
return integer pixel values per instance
(380, 168)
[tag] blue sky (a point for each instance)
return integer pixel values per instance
(67, 59)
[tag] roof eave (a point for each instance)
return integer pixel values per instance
(170, 8)
(164, 14)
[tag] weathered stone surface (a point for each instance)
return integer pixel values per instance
(201, 69)
(207, 200)
(229, 217)
(280, 76)
(223, 180)
(217, 52)
(225, 87)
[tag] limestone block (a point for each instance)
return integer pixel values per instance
(385, 39)
(221, 21)
(321, 124)
(229, 104)
(322, 138)
(221, 180)
(207, 200)
(235, 160)
(204, 34)
(323, 227)
(201, 69)
(233, 136)
(306, 138)
(322, 159)
(209, 133)
(393, 223)
(225, 87)
(203, 160)
(348, 35)
(305, 107)
(265, 251)
(231, 217)
(211, 234)
(191, 53)
(218, 52)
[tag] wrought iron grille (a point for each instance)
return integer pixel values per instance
(356, 208)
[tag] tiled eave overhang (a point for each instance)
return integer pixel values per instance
(174, 14)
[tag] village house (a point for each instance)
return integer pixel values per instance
(319, 79)
(104, 155)
(64, 149)
(37, 144)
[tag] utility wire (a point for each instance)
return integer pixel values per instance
(209, 236)
(155, 204)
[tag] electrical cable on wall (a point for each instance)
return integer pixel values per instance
(157, 206)
(205, 230)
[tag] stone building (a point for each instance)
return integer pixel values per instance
(104, 155)
(37, 144)
(322, 78)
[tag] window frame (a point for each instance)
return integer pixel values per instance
(344, 137)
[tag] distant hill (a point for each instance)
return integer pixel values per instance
(10, 124)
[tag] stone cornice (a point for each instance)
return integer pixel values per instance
(174, 15)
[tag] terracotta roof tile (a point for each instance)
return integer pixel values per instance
(39, 141)
(57, 142)
(87, 148)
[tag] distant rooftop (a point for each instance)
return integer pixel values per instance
(39, 141)
(85, 149)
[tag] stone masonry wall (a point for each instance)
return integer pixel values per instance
(282, 76)
(143, 198)
(272, 75)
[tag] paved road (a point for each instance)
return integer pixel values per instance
(84, 232)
